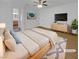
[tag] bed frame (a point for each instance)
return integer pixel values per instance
(41, 52)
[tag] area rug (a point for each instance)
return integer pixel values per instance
(58, 51)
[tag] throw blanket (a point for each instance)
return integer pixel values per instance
(51, 34)
(39, 38)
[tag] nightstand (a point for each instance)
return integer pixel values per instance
(16, 25)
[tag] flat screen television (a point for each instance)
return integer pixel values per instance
(61, 17)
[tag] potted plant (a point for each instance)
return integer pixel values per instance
(74, 26)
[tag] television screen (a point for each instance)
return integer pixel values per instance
(61, 17)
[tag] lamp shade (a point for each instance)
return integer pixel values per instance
(2, 25)
(15, 11)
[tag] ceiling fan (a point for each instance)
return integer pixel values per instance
(40, 3)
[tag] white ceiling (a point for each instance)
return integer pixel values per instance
(30, 2)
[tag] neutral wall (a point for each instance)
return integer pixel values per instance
(47, 15)
(30, 23)
(6, 10)
(5, 15)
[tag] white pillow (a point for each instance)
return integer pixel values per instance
(9, 41)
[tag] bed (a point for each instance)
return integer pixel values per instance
(40, 41)
(34, 44)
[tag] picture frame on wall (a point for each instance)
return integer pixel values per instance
(31, 16)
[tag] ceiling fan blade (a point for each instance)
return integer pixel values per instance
(34, 5)
(40, 1)
(45, 4)
(35, 2)
(44, 1)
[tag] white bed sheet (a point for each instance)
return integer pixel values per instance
(39, 39)
(30, 45)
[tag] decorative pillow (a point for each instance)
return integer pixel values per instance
(2, 47)
(9, 41)
(15, 37)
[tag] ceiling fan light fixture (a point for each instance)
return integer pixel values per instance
(39, 6)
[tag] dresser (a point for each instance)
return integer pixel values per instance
(59, 27)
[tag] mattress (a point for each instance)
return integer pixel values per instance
(29, 44)
(52, 35)
(39, 39)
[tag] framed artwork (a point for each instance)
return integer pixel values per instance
(31, 16)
